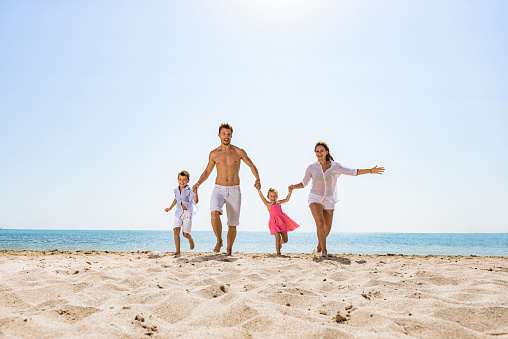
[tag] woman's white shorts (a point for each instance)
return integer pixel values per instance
(327, 205)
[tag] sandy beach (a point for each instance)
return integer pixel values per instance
(55, 294)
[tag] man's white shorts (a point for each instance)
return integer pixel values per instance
(184, 221)
(231, 196)
(327, 205)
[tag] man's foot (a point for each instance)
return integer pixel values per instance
(191, 243)
(218, 246)
(324, 254)
(176, 254)
(229, 251)
(319, 248)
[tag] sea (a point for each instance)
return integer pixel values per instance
(480, 244)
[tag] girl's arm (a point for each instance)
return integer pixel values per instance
(266, 202)
(287, 198)
(170, 207)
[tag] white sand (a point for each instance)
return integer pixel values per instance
(203, 295)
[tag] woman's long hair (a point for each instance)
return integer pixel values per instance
(322, 143)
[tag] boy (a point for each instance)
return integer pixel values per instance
(185, 201)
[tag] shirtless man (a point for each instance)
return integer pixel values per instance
(227, 185)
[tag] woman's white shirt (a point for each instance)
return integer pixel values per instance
(324, 184)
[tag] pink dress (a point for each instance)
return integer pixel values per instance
(279, 221)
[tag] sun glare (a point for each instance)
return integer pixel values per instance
(283, 16)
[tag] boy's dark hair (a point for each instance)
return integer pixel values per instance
(184, 174)
(226, 126)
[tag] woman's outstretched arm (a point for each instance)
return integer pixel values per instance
(373, 170)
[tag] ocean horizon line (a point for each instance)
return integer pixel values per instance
(238, 231)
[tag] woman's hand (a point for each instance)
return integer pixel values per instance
(377, 170)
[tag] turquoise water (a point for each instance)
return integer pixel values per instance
(485, 244)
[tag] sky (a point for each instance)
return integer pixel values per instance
(102, 103)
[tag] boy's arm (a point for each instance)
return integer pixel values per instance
(206, 173)
(196, 199)
(287, 198)
(170, 207)
(266, 202)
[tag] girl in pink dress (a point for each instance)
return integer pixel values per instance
(280, 224)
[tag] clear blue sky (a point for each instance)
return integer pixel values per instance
(103, 102)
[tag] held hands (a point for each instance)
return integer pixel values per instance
(377, 170)
(291, 188)
(257, 184)
(195, 187)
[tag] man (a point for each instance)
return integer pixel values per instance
(227, 158)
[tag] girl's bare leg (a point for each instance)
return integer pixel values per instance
(317, 213)
(191, 241)
(278, 245)
(284, 237)
(176, 231)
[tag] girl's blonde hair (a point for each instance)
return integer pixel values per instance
(272, 190)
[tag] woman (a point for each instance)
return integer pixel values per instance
(323, 194)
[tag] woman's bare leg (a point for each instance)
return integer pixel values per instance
(317, 213)
(284, 237)
(328, 216)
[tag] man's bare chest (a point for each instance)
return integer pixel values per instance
(227, 159)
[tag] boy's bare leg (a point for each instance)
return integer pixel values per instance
(217, 229)
(191, 241)
(278, 245)
(176, 231)
(284, 237)
(231, 239)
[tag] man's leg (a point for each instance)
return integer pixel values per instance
(217, 229)
(231, 239)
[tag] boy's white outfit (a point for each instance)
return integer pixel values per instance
(183, 218)
(324, 184)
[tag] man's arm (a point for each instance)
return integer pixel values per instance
(253, 168)
(206, 173)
